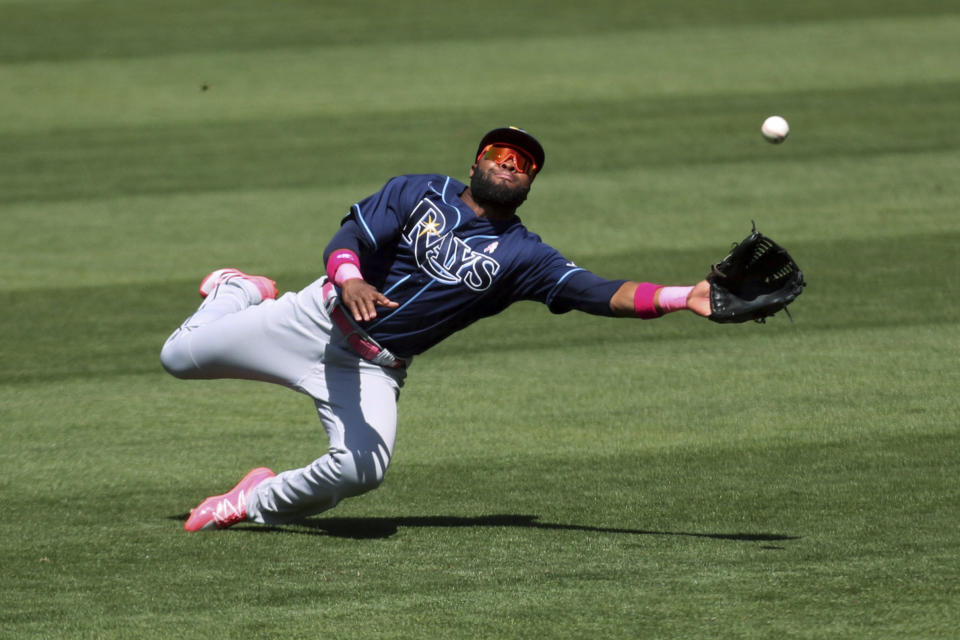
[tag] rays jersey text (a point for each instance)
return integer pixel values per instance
(442, 255)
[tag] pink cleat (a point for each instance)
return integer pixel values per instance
(220, 512)
(266, 286)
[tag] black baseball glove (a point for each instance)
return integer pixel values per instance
(757, 279)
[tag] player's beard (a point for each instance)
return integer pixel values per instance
(486, 191)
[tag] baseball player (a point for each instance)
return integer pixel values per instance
(411, 264)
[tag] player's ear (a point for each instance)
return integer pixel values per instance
(473, 168)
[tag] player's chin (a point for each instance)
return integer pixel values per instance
(487, 189)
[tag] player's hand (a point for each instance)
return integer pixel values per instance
(699, 299)
(362, 299)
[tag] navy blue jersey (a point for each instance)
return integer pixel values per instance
(427, 250)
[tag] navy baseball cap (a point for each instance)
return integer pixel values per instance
(515, 137)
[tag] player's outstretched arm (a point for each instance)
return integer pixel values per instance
(625, 300)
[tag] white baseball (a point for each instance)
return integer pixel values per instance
(775, 129)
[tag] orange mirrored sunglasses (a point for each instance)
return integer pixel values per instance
(498, 153)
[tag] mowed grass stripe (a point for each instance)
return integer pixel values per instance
(300, 152)
(125, 240)
(373, 78)
(819, 474)
(85, 424)
(182, 26)
(118, 330)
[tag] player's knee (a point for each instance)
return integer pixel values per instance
(359, 471)
(176, 359)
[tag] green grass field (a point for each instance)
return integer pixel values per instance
(555, 476)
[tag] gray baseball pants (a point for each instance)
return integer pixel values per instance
(291, 341)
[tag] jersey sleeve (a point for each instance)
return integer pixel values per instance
(381, 216)
(560, 284)
(348, 236)
(587, 292)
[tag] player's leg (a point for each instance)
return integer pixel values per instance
(183, 354)
(237, 334)
(289, 341)
(359, 414)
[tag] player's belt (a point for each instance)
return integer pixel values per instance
(358, 339)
